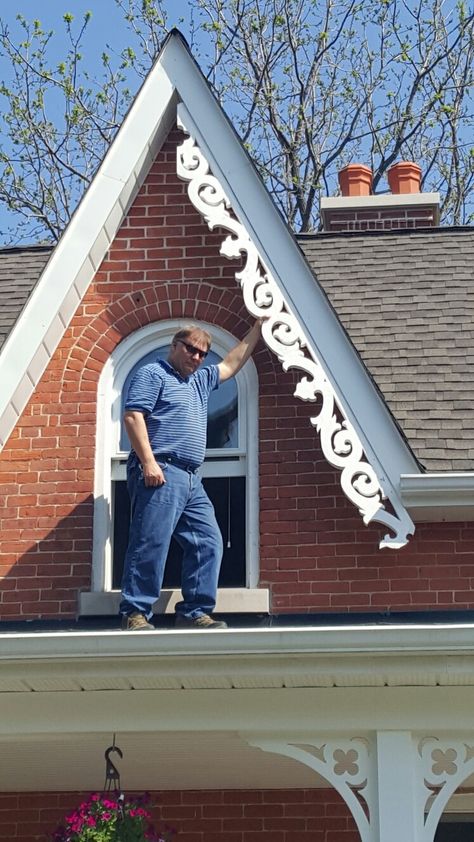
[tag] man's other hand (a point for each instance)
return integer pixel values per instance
(153, 474)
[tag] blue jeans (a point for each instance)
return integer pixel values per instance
(179, 508)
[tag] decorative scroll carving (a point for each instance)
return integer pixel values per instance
(445, 764)
(283, 335)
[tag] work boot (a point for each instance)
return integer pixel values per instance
(201, 622)
(136, 622)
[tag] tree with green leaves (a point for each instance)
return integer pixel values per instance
(310, 85)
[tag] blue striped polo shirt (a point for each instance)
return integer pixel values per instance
(175, 408)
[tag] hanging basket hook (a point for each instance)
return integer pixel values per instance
(112, 774)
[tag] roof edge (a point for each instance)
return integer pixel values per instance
(406, 640)
(437, 497)
(83, 245)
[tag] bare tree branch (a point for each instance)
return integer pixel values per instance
(309, 84)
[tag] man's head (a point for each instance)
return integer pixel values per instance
(189, 347)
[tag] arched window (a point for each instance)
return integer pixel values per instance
(230, 470)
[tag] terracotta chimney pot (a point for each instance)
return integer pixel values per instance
(355, 180)
(404, 177)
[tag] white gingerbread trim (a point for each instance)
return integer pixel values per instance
(283, 334)
(444, 764)
(396, 785)
(343, 762)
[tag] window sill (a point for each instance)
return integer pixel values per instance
(229, 601)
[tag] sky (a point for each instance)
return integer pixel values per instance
(107, 23)
(106, 31)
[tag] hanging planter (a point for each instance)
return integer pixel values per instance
(404, 177)
(109, 818)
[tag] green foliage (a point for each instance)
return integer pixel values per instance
(56, 126)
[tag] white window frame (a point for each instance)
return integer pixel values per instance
(108, 454)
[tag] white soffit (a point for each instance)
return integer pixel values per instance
(229, 689)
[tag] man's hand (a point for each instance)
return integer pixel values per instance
(238, 356)
(153, 475)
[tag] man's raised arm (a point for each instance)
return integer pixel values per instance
(238, 356)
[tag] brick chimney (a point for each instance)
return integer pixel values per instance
(357, 210)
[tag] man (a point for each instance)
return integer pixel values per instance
(165, 418)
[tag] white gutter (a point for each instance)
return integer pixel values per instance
(35, 666)
(419, 639)
(434, 497)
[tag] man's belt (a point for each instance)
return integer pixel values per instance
(178, 463)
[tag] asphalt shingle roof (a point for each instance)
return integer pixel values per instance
(20, 269)
(406, 299)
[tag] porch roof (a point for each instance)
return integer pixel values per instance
(187, 707)
(352, 655)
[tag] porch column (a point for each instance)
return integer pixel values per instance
(396, 808)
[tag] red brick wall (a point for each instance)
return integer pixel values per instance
(312, 815)
(315, 552)
(380, 219)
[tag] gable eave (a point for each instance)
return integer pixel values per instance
(214, 692)
(81, 249)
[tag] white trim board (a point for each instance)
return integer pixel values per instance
(384, 200)
(229, 601)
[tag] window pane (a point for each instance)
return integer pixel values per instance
(222, 419)
(455, 831)
(227, 495)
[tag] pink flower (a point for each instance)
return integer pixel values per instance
(111, 805)
(103, 814)
(138, 811)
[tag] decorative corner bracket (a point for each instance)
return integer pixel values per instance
(282, 333)
(345, 763)
(444, 764)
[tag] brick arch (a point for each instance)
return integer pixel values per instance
(131, 311)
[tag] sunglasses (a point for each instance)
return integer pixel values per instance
(192, 350)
